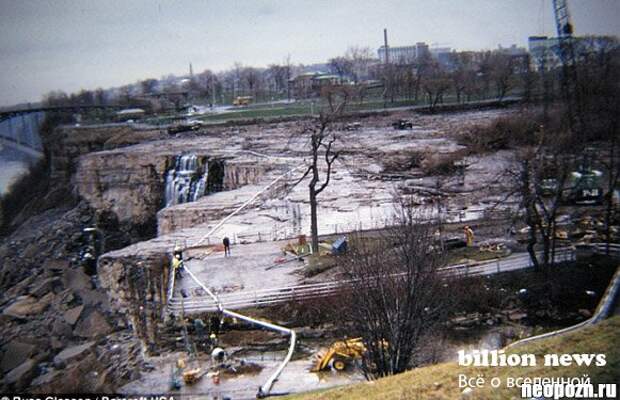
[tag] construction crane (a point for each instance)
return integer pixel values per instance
(566, 41)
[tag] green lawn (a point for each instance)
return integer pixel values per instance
(441, 381)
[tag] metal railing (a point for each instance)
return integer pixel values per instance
(266, 297)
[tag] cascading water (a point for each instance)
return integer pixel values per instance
(187, 181)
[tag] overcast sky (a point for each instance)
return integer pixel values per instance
(74, 44)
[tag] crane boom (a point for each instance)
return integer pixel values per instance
(570, 93)
(564, 27)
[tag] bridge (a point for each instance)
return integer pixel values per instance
(19, 127)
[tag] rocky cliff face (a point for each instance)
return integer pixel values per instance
(239, 173)
(58, 329)
(136, 285)
(240, 184)
(130, 185)
(68, 143)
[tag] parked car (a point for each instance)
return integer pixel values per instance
(353, 126)
(192, 125)
(402, 124)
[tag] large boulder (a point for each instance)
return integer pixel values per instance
(76, 279)
(93, 325)
(73, 353)
(61, 329)
(26, 306)
(15, 353)
(57, 265)
(72, 315)
(45, 286)
(42, 383)
(20, 376)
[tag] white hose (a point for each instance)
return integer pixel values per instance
(265, 389)
(219, 225)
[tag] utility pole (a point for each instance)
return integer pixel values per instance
(386, 69)
(385, 46)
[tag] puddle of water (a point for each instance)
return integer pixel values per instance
(296, 377)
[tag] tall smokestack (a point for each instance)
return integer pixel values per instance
(385, 45)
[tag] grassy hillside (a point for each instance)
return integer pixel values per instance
(441, 381)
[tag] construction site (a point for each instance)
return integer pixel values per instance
(210, 252)
(229, 298)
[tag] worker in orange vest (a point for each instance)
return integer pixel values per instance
(469, 235)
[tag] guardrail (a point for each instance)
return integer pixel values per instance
(266, 297)
(601, 248)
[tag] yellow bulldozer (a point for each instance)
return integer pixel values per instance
(339, 355)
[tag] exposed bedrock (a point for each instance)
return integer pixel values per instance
(129, 184)
(68, 143)
(239, 182)
(136, 286)
(133, 185)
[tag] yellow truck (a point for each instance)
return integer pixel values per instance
(242, 100)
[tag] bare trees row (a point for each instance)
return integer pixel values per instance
(574, 137)
(396, 295)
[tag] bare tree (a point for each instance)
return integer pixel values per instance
(502, 74)
(396, 294)
(148, 86)
(435, 83)
(529, 81)
(599, 73)
(360, 59)
(337, 95)
(278, 78)
(542, 181)
(341, 66)
(462, 72)
(322, 152)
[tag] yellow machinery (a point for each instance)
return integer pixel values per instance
(339, 354)
(242, 100)
(191, 376)
(469, 235)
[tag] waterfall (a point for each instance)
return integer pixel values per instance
(187, 181)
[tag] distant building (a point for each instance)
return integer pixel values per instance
(443, 56)
(519, 55)
(402, 54)
(309, 84)
(546, 52)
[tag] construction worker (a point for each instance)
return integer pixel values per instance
(215, 323)
(89, 261)
(469, 235)
(213, 340)
(177, 265)
(226, 243)
(177, 261)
